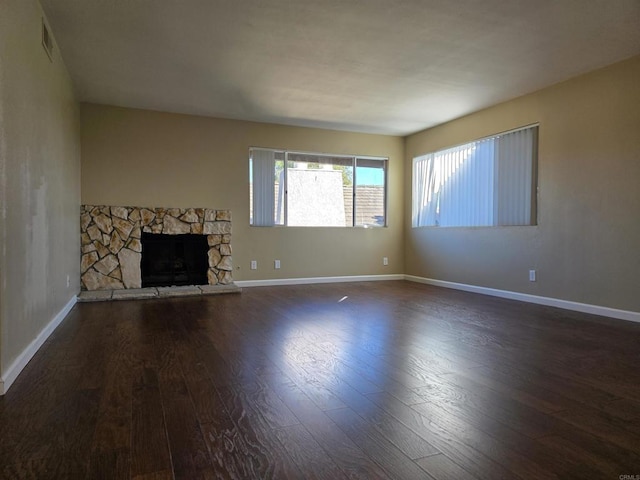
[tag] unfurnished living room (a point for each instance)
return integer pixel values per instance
(291, 239)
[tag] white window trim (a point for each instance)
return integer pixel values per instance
(353, 158)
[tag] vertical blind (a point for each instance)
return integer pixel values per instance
(483, 183)
(263, 165)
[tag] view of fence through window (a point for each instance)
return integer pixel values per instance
(316, 190)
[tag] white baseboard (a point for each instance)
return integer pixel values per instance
(524, 297)
(10, 375)
(310, 280)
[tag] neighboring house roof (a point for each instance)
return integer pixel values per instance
(370, 204)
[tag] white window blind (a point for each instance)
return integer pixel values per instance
(263, 167)
(488, 182)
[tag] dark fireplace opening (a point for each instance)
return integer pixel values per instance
(169, 260)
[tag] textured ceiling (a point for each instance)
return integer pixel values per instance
(376, 66)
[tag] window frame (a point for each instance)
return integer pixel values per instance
(354, 164)
(534, 209)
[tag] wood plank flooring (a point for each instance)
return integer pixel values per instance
(397, 381)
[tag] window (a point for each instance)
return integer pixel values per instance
(488, 182)
(300, 189)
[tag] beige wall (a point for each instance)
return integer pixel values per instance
(586, 247)
(39, 181)
(143, 158)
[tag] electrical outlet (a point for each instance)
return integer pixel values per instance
(254, 264)
(385, 261)
(276, 264)
(532, 275)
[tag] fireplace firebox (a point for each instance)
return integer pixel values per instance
(169, 260)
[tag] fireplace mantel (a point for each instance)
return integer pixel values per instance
(112, 250)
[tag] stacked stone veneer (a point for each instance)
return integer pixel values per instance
(112, 248)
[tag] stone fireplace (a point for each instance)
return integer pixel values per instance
(111, 239)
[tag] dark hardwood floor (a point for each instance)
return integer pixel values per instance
(398, 380)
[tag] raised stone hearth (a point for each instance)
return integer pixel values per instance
(112, 250)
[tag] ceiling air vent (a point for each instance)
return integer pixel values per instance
(47, 41)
